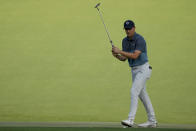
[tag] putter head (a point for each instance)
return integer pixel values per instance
(97, 5)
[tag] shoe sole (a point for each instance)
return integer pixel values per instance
(125, 124)
(150, 126)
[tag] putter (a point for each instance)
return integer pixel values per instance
(97, 7)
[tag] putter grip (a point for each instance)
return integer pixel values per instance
(111, 43)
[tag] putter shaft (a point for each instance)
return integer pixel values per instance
(97, 7)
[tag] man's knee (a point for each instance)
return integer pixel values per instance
(135, 92)
(137, 87)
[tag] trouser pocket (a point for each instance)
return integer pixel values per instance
(149, 72)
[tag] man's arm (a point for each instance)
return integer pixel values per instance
(119, 57)
(133, 55)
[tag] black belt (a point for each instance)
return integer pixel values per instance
(150, 67)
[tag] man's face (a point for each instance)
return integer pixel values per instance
(130, 32)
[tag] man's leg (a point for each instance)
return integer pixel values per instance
(137, 85)
(129, 122)
(147, 104)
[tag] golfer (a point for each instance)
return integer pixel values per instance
(134, 49)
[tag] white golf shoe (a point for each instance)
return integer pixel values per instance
(148, 124)
(128, 123)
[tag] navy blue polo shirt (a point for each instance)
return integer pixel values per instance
(136, 43)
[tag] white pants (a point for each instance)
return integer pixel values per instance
(140, 74)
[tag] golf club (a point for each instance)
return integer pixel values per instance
(97, 7)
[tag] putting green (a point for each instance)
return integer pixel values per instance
(85, 129)
(56, 63)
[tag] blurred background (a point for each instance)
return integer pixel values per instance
(56, 62)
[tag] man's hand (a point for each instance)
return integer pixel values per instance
(114, 54)
(118, 56)
(116, 50)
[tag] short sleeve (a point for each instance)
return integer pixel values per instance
(141, 44)
(124, 45)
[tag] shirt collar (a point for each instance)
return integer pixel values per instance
(133, 38)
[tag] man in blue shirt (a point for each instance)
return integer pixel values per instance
(134, 49)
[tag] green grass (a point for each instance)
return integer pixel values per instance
(56, 63)
(85, 129)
